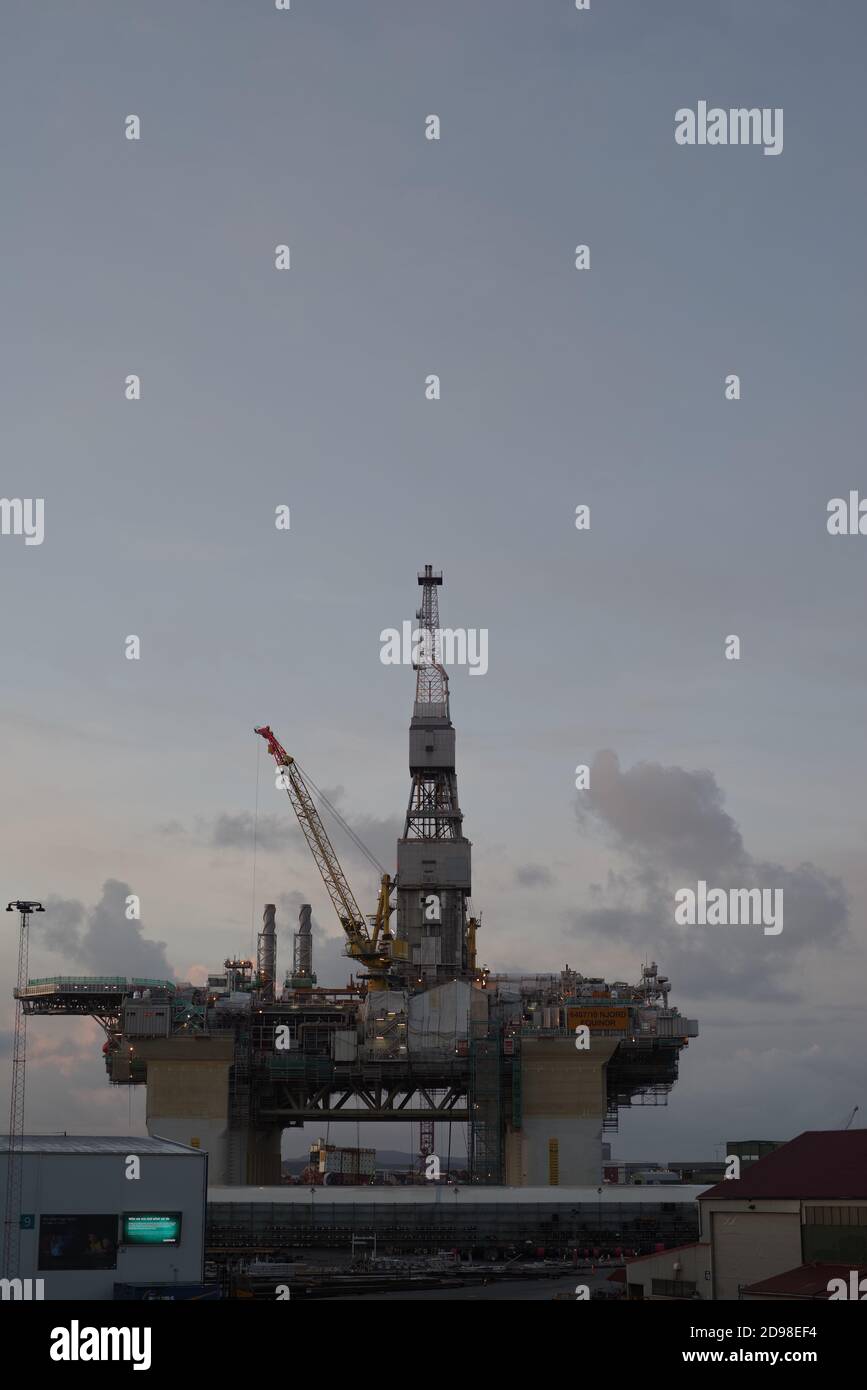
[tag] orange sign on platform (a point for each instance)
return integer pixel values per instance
(597, 1019)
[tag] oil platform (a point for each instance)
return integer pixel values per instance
(537, 1066)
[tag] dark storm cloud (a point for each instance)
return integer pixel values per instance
(102, 939)
(671, 826)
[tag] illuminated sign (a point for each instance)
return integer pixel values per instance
(597, 1019)
(151, 1228)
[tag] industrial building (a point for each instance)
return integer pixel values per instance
(333, 1165)
(94, 1225)
(803, 1205)
(485, 1222)
(537, 1067)
(705, 1172)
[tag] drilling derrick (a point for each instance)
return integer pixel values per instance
(433, 857)
(422, 1037)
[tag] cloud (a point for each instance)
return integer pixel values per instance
(234, 830)
(170, 828)
(533, 876)
(102, 939)
(278, 832)
(380, 834)
(66, 1082)
(60, 928)
(273, 832)
(288, 906)
(671, 826)
(675, 815)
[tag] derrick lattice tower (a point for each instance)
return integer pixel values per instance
(433, 856)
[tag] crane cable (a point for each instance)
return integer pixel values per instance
(356, 839)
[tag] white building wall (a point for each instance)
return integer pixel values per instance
(694, 1268)
(752, 1245)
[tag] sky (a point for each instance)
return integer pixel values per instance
(305, 388)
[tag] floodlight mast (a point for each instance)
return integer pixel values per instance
(14, 1168)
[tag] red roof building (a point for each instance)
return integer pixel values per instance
(828, 1164)
(807, 1281)
(795, 1221)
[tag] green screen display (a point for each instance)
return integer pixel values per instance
(149, 1228)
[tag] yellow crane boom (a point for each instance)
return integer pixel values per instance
(371, 949)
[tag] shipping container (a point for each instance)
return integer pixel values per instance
(146, 1020)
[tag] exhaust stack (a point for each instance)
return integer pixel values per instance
(303, 963)
(266, 954)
